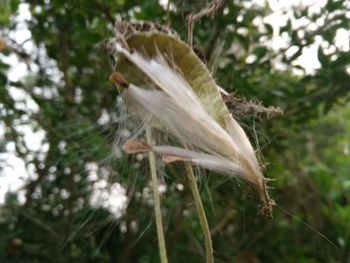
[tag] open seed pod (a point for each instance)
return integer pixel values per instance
(178, 90)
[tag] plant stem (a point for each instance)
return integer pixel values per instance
(156, 197)
(201, 213)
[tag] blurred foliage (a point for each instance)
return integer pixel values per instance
(67, 82)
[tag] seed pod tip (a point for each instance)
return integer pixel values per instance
(118, 79)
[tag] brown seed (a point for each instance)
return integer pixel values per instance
(2, 44)
(118, 79)
(136, 146)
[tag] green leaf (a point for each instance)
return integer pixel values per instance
(269, 29)
(334, 5)
(260, 52)
(324, 60)
(3, 79)
(287, 27)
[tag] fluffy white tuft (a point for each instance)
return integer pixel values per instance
(173, 102)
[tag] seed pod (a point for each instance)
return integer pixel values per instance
(172, 83)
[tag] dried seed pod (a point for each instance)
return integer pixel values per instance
(169, 81)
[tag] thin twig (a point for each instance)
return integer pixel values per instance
(160, 231)
(240, 106)
(168, 19)
(192, 19)
(201, 213)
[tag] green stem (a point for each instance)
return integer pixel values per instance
(156, 197)
(201, 213)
